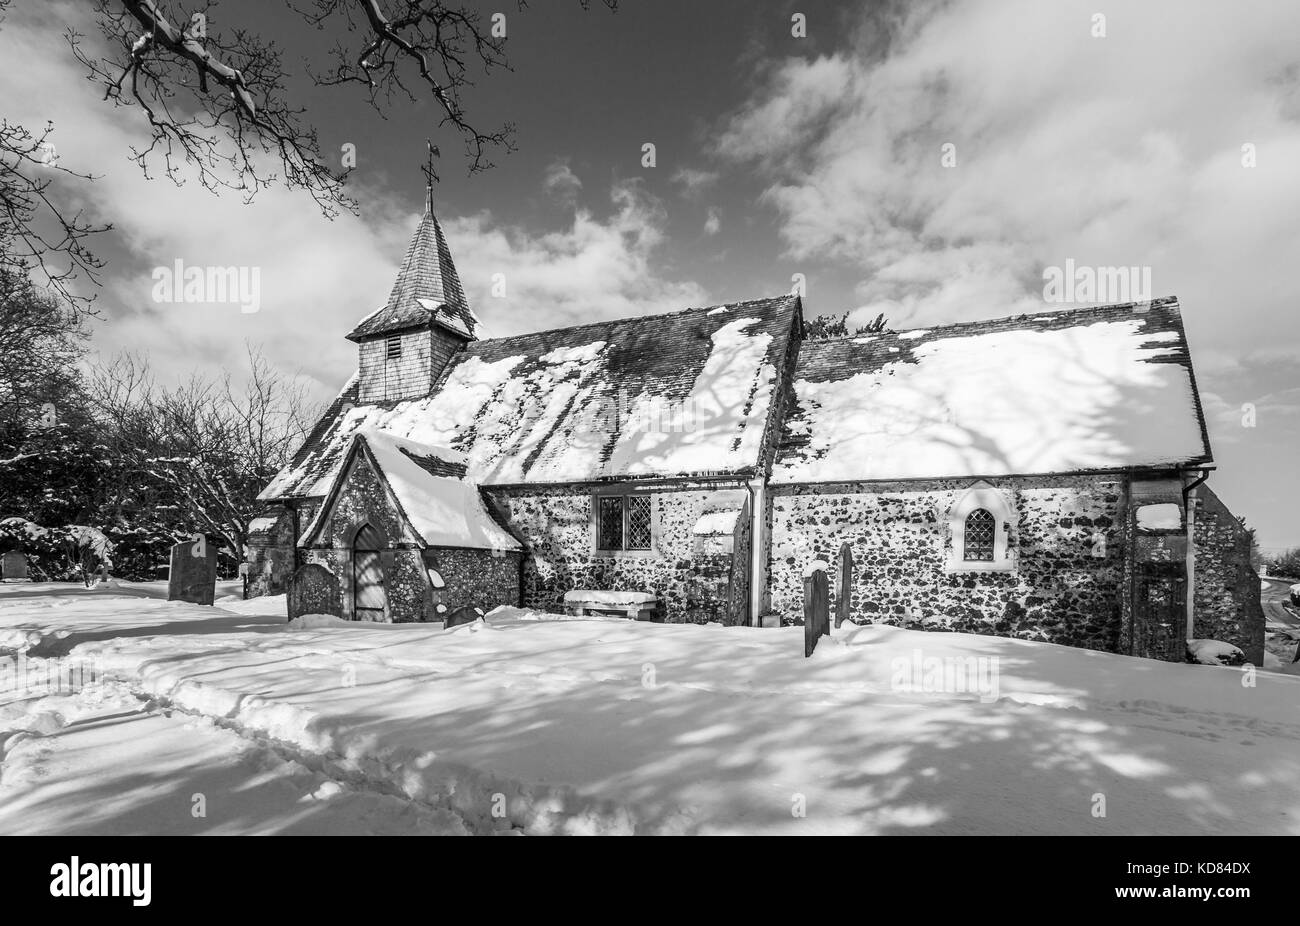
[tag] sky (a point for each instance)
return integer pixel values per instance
(924, 160)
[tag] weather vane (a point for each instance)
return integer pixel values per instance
(430, 176)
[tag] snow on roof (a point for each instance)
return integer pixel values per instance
(262, 523)
(1159, 516)
(720, 512)
(445, 511)
(687, 393)
(1097, 388)
(716, 522)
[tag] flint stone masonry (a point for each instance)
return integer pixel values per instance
(697, 580)
(1227, 605)
(193, 578)
(269, 554)
(314, 590)
(477, 578)
(1065, 537)
(473, 578)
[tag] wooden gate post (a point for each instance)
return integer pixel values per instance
(844, 592)
(816, 607)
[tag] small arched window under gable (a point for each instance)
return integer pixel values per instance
(980, 530)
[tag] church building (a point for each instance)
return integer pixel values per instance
(1042, 476)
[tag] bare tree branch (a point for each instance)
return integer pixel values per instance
(35, 231)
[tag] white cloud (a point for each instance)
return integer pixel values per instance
(713, 223)
(1117, 151)
(561, 182)
(692, 180)
(318, 278)
(591, 270)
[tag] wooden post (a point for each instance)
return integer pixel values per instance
(816, 609)
(844, 592)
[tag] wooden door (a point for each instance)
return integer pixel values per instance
(368, 598)
(1161, 618)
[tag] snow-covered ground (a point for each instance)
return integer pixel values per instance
(605, 725)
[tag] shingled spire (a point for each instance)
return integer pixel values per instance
(405, 345)
(427, 289)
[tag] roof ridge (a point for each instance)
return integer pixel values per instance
(633, 318)
(1163, 302)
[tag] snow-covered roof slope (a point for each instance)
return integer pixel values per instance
(687, 393)
(444, 510)
(1096, 388)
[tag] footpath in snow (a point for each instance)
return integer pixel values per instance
(552, 725)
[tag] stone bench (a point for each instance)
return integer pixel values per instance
(637, 606)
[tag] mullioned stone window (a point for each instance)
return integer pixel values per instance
(623, 524)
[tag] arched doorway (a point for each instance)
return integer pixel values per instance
(368, 597)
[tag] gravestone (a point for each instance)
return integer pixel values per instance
(816, 608)
(314, 590)
(13, 567)
(193, 575)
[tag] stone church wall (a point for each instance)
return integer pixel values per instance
(477, 578)
(269, 553)
(469, 576)
(1065, 537)
(1227, 605)
(696, 579)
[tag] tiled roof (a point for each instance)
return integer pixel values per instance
(427, 289)
(1105, 387)
(686, 393)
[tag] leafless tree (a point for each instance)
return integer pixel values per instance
(35, 231)
(209, 446)
(217, 101)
